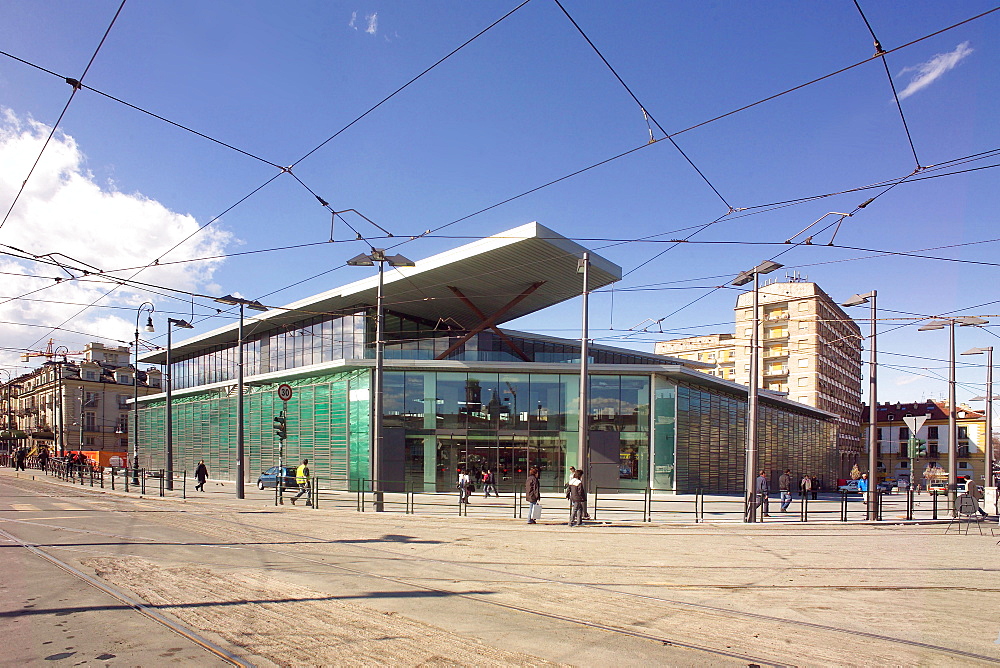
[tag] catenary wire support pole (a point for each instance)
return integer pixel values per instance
(752, 395)
(240, 442)
(870, 298)
(583, 449)
(941, 323)
(183, 324)
(135, 385)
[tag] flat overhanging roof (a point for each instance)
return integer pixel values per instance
(490, 273)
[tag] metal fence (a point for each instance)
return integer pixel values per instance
(604, 504)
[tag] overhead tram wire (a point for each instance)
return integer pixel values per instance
(75, 84)
(880, 52)
(692, 127)
(834, 73)
(411, 81)
(644, 108)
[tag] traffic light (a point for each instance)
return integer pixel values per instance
(280, 427)
(917, 447)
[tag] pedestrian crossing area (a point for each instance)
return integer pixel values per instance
(45, 507)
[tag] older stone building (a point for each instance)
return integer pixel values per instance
(79, 404)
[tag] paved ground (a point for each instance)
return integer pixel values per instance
(212, 580)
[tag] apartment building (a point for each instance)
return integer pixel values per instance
(717, 349)
(810, 351)
(893, 435)
(79, 404)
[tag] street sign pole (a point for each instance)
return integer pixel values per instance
(284, 393)
(914, 422)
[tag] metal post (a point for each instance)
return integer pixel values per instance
(240, 493)
(990, 482)
(952, 424)
(751, 448)
(376, 463)
(170, 418)
(135, 392)
(583, 453)
(873, 415)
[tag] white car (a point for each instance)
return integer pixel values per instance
(849, 486)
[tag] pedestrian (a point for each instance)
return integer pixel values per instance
(576, 495)
(863, 486)
(463, 486)
(785, 487)
(533, 496)
(19, 458)
(490, 484)
(972, 491)
(761, 489)
(302, 479)
(201, 473)
(805, 485)
(814, 486)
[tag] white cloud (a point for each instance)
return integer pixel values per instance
(932, 70)
(372, 23)
(907, 380)
(63, 210)
(353, 22)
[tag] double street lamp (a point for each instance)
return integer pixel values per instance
(253, 305)
(368, 260)
(135, 384)
(751, 431)
(941, 323)
(181, 324)
(857, 300)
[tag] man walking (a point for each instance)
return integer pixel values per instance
(761, 490)
(201, 473)
(972, 491)
(785, 487)
(302, 478)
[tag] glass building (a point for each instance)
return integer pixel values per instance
(460, 392)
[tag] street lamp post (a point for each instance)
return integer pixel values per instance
(941, 323)
(181, 324)
(378, 255)
(135, 384)
(240, 448)
(583, 454)
(870, 298)
(751, 426)
(989, 410)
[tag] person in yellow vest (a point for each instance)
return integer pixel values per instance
(303, 480)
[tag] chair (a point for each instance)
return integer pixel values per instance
(967, 510)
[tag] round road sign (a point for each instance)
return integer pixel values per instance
(284, 392)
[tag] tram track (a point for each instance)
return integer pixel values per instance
(137, 606)
(491, 574)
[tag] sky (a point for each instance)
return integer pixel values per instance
(195, 156)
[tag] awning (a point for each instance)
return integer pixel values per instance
(489, 273)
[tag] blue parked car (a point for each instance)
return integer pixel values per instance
(269, 478)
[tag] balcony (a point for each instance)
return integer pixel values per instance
(775, 371)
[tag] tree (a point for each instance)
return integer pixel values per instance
(855, 472)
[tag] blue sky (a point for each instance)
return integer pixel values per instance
(527, 102)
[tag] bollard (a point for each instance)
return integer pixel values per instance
(184, 487)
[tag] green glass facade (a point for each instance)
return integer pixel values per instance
(670, 434)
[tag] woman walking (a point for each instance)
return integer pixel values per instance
(533, 495)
